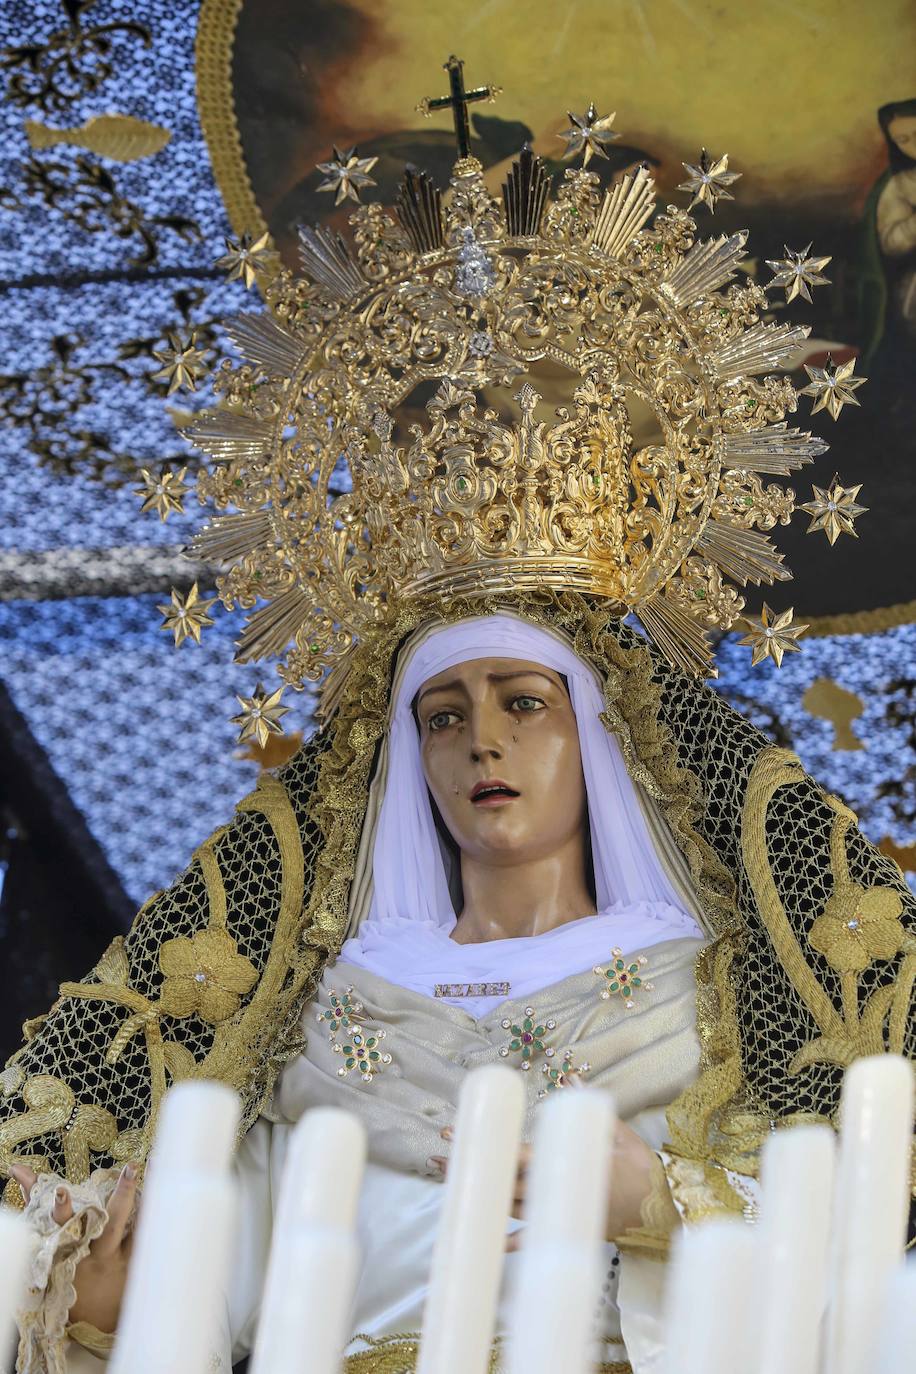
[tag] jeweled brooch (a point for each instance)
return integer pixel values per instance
(622, 976)
(528, 1039)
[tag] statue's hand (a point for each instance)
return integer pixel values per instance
(101, 1276)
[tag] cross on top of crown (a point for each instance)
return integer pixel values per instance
(457, 101)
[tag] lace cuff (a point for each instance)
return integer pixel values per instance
(660, 1217)
(43, 1325)
(701, 1190)
(100, 1343)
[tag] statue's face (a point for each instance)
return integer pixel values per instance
(509, 722)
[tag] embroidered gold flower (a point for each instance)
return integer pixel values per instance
(204, 973)
(858, 926)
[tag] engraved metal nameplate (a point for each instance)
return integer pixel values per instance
(472, 989)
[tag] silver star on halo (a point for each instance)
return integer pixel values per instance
(797, 272)
(163, 491)
(834, 510)
(772, 635)
(186, 618)
(246, 257)
(832, 390)
(183, 363)
(707, 180)
(588, 134)
(260, 715)
(347, 174)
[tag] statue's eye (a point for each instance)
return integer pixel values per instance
(440, 719)
(527, 703)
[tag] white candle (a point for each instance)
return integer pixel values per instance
(570, 1173)
(196, 1129)
(323, 1170)
(552, 1321)
(470, 1242)
(178, 1277)
(871, 1204)
(16, 1243)
(709, 1326)
(303, 1321)
(554, 1313)
(895, 1339)
(305, 1326)
(185, 1240)
(797, 1178)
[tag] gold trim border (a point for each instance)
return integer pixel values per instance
(216, 26)
(863, 622)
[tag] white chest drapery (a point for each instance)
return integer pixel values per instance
(644, 1055)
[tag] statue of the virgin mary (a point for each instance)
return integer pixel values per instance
(526, 830)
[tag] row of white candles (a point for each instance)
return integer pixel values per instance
(818, 1286)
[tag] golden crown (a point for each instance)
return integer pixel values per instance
(387, 434)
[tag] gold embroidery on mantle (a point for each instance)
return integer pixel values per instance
(856, 927)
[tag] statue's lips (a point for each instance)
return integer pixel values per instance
(492, 793)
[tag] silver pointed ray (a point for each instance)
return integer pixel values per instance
(419, 208)
(262, 342)
(227, 437)
(776, 449)
(624, 211)
(759, 349)
(708, 265)
(327, 259)
(229, 537)
(525, 194)
(271, 628)
(745, 555)
(681, 638)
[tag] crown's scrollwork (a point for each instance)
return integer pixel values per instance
(562, 390)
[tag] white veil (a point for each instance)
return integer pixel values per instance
(410, 896)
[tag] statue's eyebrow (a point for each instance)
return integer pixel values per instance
(456, 685)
